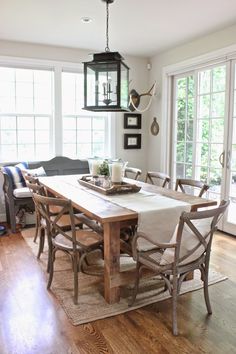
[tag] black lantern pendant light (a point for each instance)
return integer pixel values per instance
(106, 79)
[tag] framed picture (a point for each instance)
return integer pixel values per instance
(132, 141)
(132, 121)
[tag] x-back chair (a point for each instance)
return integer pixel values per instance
(159, 177)
(183, 183)
(132, 172)
(188, 249)
(75, 242)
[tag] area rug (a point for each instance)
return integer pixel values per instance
(91, 304)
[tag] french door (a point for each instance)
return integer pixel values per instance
(204, 133)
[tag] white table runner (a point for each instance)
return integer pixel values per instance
(157, 215)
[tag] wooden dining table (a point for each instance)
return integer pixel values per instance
(113, 218)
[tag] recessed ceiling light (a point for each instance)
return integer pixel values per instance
(86, 19)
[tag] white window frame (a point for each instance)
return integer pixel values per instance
(213, 58)
(57, 67)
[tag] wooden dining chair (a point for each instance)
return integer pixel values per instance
(162, 178)
(188, 249)
(131, 172)
(188, 185)
(54, 210)
(78, 243)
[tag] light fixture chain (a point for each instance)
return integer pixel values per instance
(107, 49)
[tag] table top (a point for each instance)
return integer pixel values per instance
(95, 205)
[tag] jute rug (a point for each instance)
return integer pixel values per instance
(91, 304)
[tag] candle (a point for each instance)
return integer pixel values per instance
(95, 166)
(116, 173)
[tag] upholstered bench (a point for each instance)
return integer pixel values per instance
(15, 191)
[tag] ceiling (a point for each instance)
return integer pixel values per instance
(137, 27)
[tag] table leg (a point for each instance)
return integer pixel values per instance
(111, 261)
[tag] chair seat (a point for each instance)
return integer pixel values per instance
(87, 238)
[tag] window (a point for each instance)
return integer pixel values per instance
(84, 133)
(26, 112)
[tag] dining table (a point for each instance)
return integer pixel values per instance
(153, 209)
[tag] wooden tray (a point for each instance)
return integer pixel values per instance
(114, 189)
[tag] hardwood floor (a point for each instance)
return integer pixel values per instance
(31, 320)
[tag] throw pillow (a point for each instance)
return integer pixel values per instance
(35, 172)
(15, 174)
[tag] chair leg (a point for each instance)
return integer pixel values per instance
(51, 259)
(206, 292)
(174, 305)
(41, 241)
(36, 227)
(12, 214)
(75, 271)
(136, 285)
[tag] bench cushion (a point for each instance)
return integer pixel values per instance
(22, 192)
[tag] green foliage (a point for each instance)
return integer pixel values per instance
(103, 169)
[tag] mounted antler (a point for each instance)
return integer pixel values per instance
(149, 92)
(135, 99)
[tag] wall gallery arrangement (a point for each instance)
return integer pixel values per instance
(132, 121)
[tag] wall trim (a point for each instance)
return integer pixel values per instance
(215, 56)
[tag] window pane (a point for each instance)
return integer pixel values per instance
(8, 122)
(26, 136)
(217, 130)
(69, 136)
(84, 136)
(203, 130)
(25, 123)
(8, 137)
(219, 76)
(218, 105)
(42, 123)
(204, 106)
(204, 81)
(42, 137)
(26, 152)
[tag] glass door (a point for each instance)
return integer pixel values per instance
(199, 127)
(204, 133)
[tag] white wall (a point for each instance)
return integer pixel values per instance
(138, 75)
(192, 49)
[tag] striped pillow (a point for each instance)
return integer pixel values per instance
(14, 172)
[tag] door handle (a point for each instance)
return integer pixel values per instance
(222, 159)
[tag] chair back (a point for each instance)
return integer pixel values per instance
(192, 184)
(35, 187)
(160, 177)
(132, 172)
(55, 222)
(30, 179)
(194, 234)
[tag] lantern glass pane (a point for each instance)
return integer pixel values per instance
(107, 85)
(124, 97)
(91, 87)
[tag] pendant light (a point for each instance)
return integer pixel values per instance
(106, 79)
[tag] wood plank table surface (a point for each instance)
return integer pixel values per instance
(113, 217)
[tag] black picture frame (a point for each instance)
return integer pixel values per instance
(132, 141)
(132, 121)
